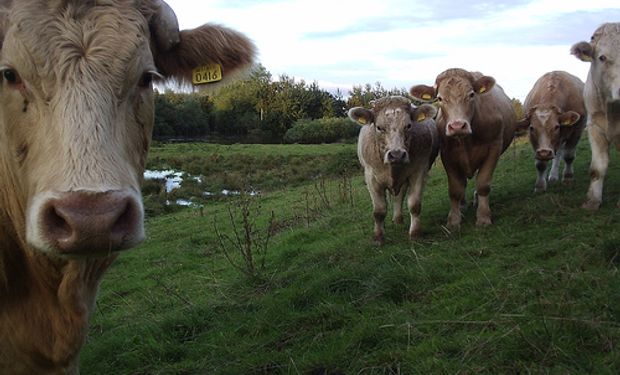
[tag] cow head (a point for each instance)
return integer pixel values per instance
(392, 119)
(603, 52)
(76, 113)
(545, 125)
(456, 91)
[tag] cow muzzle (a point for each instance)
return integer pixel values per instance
(397, 156)
(458, 128)
(544, 154)
(87, 224)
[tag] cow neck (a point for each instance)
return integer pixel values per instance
(50, 313)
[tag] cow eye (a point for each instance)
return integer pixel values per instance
(381, 129)
(471, 95)
(531, 129)
(602, 58)
(439, 99)
(11, 76)
(146, 80)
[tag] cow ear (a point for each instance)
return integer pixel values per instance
(569, 118)
(361, 115)
(583, 51)
(484, 84)
(522, 125)
(423, 93)
(424, 112)
(209, 53)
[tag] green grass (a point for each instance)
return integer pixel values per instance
(537, 292)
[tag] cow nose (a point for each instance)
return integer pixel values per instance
(457, 127)
(397, 156)
(544, 154)
(83, 223)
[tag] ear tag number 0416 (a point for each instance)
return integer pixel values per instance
(207, 74)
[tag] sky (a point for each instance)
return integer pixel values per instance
(401, 43)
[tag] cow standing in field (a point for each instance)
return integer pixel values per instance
(76, 115)
(476, 123)
(397, 145)
(555, 116)
(602, 100)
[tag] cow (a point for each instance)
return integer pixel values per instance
(76, 117)
(602, 100)
(555, 116)
(397, 145)
(476, 123)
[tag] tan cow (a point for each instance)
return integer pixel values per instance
(476, 123)
(76, 114)
(555, 117)
(397, 145)
(602, 99)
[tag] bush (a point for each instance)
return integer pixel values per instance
(325, 130)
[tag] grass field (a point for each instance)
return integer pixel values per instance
(538, 292)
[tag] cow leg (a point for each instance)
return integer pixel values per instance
(397, 216)
(569, 156)
(598, 166)
(379, 205)
(483, 187)
(554, 174)
(414, 203)
(541, 170)
(456, 189)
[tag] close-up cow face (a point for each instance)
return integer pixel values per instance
(393, 119)
(603, 52)
(456, 92)
(545, 126)
(76, 112)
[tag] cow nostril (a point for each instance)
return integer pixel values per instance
(125, 221)
(56, 225)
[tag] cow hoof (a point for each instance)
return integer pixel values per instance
(552, 179)
(568, 181)
(379, 240)
(483, 222)
(398, 220)
(539, 189)
(591, 205)
(415, 235)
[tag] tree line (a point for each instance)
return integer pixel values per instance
(261, 109)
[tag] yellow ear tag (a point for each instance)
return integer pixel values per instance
(567, 123)
(482, 90)
(421, 117)
(586, 58)
(207, 74)
(362, 120)
(427, 97)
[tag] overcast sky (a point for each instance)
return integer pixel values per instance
(405, 42)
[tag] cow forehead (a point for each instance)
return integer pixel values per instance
(393, 114)
(455, 87)
(80, 40)
(546, 117)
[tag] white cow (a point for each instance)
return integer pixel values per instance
(602, 100)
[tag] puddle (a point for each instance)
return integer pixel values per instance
(174, 179)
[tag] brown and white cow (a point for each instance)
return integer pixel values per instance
(555, 116)
(476, 123)
(602, 100)
(397, 145)
(76, 115)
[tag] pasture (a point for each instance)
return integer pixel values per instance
(537, 292)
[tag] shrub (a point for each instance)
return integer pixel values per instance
(325, 130)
